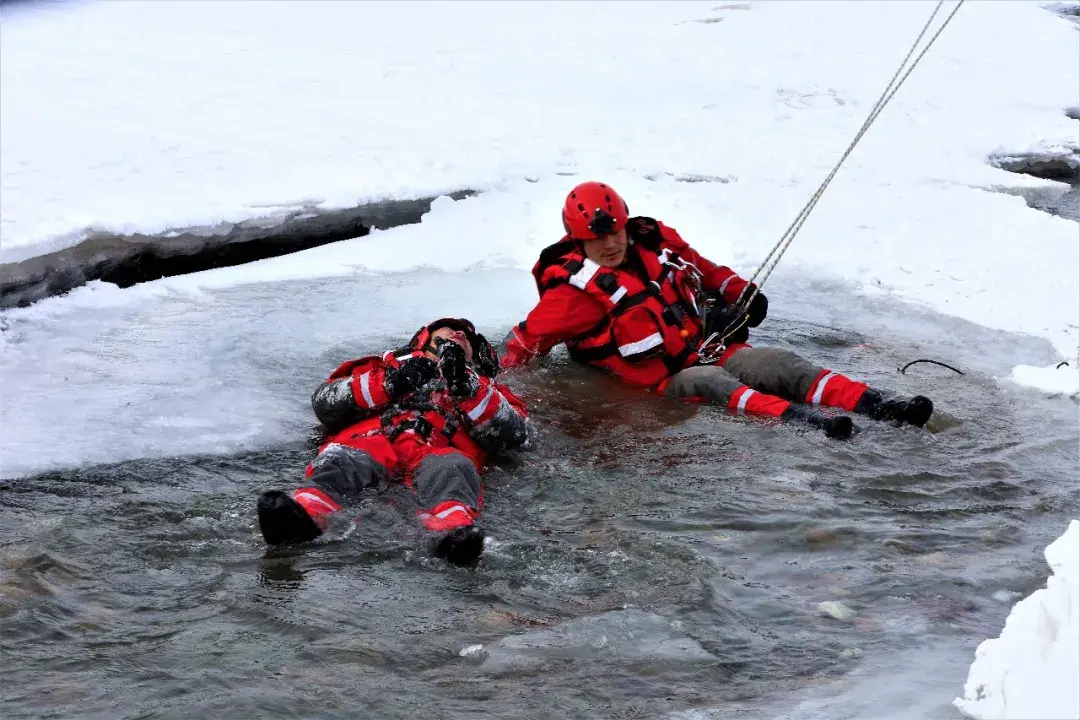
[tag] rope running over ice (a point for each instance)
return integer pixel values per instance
(770, 262)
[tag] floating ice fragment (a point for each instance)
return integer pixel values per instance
(837, 610)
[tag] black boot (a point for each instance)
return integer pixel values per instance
(838, 427)
(283, 521)
(461, 546)
(915, 411)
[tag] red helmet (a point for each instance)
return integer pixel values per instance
(593, 209)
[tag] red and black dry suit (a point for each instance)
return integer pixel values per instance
(434, 441)
(642, 322)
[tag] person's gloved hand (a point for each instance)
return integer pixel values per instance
(410, 375)
(514, 354)
(756, 312)
(455, 369)
(759, 307)
(724, 319)
(485, 358)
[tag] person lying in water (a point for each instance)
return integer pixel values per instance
(629, 296)
(429, 415)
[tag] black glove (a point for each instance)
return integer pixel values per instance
(758, 309)
(723, 319)
(455, 369)
(410, 375)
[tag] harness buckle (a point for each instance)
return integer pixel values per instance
(711, 350)
(417, 423)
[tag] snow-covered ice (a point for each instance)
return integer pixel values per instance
(1063, 378)
(150, 116)
(1031, 671)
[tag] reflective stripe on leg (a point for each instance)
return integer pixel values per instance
(747, 400)
(446, 516)
(818, 390)
(316, 503)
(831, 389)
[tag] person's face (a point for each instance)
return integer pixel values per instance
(607, 250)
(454, 336)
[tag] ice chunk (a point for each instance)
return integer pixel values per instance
(1031, 669)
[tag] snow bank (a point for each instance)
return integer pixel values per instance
(144, 116)
(1031, 671)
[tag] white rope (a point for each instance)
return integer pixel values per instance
(770, 262)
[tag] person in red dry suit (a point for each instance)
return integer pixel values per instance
(629, 296)
(431, 414)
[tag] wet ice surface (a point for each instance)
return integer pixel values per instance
(650, 558)
(224, 371)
